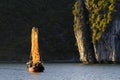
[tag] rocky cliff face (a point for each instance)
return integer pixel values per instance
(82, 33)
(107, 48)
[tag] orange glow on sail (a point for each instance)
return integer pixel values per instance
(34, 47)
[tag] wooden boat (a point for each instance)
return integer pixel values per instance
(35, 63)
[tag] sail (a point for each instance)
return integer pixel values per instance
(34, 46)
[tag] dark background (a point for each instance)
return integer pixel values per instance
(54, 20)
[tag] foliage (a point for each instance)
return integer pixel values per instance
(78, 16)
(76, 13)
(76, 10)
(100, 15)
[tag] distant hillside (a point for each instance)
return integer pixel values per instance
(55, 22)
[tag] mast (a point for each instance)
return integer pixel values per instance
(34, 46)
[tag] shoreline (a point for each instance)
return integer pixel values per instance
(62, 61)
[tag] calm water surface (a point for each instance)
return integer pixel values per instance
(61, 71)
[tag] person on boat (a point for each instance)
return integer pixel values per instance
(29, 64)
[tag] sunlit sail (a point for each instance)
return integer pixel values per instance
(34, 48)
(35, 64)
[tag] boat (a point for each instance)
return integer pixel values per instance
(35, 62)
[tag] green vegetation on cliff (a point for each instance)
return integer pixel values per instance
(100, 15)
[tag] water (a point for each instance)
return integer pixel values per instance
(61, 71)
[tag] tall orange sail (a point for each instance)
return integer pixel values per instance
(34, 46)
(35, 64)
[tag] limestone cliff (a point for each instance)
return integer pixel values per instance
(108, 47)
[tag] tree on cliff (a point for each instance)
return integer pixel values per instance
(91, 18)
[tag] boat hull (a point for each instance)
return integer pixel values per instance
(35, 68)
